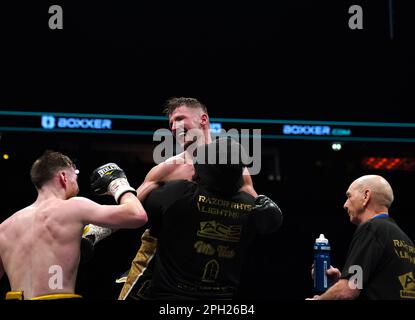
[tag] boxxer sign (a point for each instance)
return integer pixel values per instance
(51, 122)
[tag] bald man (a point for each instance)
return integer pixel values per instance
(381, 261)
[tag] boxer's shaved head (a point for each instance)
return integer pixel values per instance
(174, 103)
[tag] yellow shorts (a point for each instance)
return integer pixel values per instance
(18, 295)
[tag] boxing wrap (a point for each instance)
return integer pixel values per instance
(110, 179)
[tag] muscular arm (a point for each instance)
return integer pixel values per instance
(156, 176)
(128, 214)
(100, 230)
(151, 182)
(340, 291)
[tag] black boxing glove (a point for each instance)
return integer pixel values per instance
(110, 179)
(267, 216)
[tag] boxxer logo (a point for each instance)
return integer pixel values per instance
(48, 122)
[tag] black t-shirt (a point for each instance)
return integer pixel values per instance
(387, 259)
(201, 239)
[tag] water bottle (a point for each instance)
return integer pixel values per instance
(321, 264)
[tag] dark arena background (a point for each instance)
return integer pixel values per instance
(332, 103)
